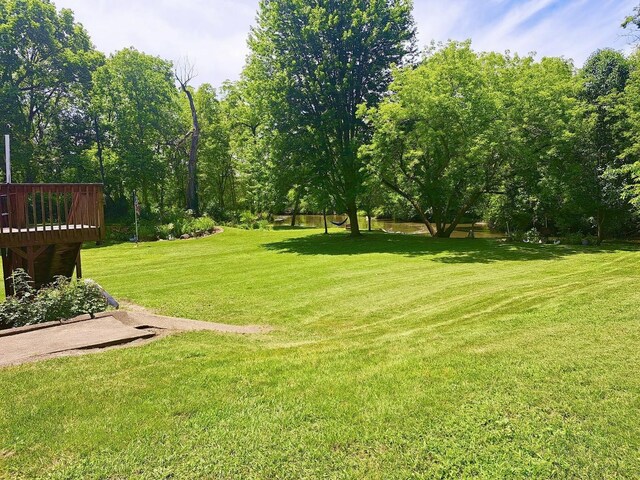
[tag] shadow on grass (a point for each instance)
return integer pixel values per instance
(443, 250)
(104, 243)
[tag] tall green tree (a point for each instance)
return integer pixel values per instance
(273, 164)
(629, 127)
(245, 114)
(441, 139)
(138, 105)
(599, 184)
(324, 58)
(217, 173)
(544, 114)
(46, 62)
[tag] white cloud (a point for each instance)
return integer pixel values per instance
(213, 33)
(568, 28)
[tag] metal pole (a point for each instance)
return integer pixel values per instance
(136, 206)
(7, 157)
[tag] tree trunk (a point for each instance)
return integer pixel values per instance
(369, 221)
(99, 147)
(446, 232)
(600, 222)
(414, 203)
(324, 216)
(352, 213)
(294, 213)
(192, 181)
(161, 202)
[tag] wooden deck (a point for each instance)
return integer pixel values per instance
(42, 227)
(33, 214)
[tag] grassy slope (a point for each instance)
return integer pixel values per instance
(393, 357)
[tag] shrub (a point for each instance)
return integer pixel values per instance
(579, 239)
(573, 239)
(247, 220)
(126, 233)
(178, 224)
(146, 231)
(250, 221)
(119, 233)
(61, 299)
(18, 310)
(262, 225)
(590, 240)
(166, 231)
(192, 226)
(200, 226)
(515, 236)
(532, 236)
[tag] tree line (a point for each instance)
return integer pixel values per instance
(336, 110)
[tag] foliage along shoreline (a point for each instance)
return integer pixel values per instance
(341, 116)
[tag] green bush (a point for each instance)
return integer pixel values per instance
(199, 226)
(591, 239)
(262, 225)
(247, 217)
(119, 233)
(179, 223)
(579, 239)
(250, 221)
(532, 236)
(146, 231)
(19, 309)
(166, 231)
(572, 239)
(61, 299)
(125, 233)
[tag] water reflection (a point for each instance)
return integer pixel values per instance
(480, 230)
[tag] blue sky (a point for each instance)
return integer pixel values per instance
(213, 33)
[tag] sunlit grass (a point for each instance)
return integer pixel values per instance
(391, 357)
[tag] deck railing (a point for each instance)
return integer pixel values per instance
(41, 213)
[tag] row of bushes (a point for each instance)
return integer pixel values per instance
(61, 299)
(183, 223)
(149, 230)
(194, 227)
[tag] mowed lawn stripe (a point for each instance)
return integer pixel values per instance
(393, 357)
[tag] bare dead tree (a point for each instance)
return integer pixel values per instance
(184, 73)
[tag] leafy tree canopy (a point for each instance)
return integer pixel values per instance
(325, 58)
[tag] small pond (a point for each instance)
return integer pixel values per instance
(391, 226)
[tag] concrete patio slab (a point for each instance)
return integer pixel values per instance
(97, 333)
(84, 335)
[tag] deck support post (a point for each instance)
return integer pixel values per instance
(31, 263)
(7, 271)
(78, 266)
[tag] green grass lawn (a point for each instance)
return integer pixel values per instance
(391, 357)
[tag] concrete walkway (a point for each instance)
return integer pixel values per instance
(141, 319)
(83, 335)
